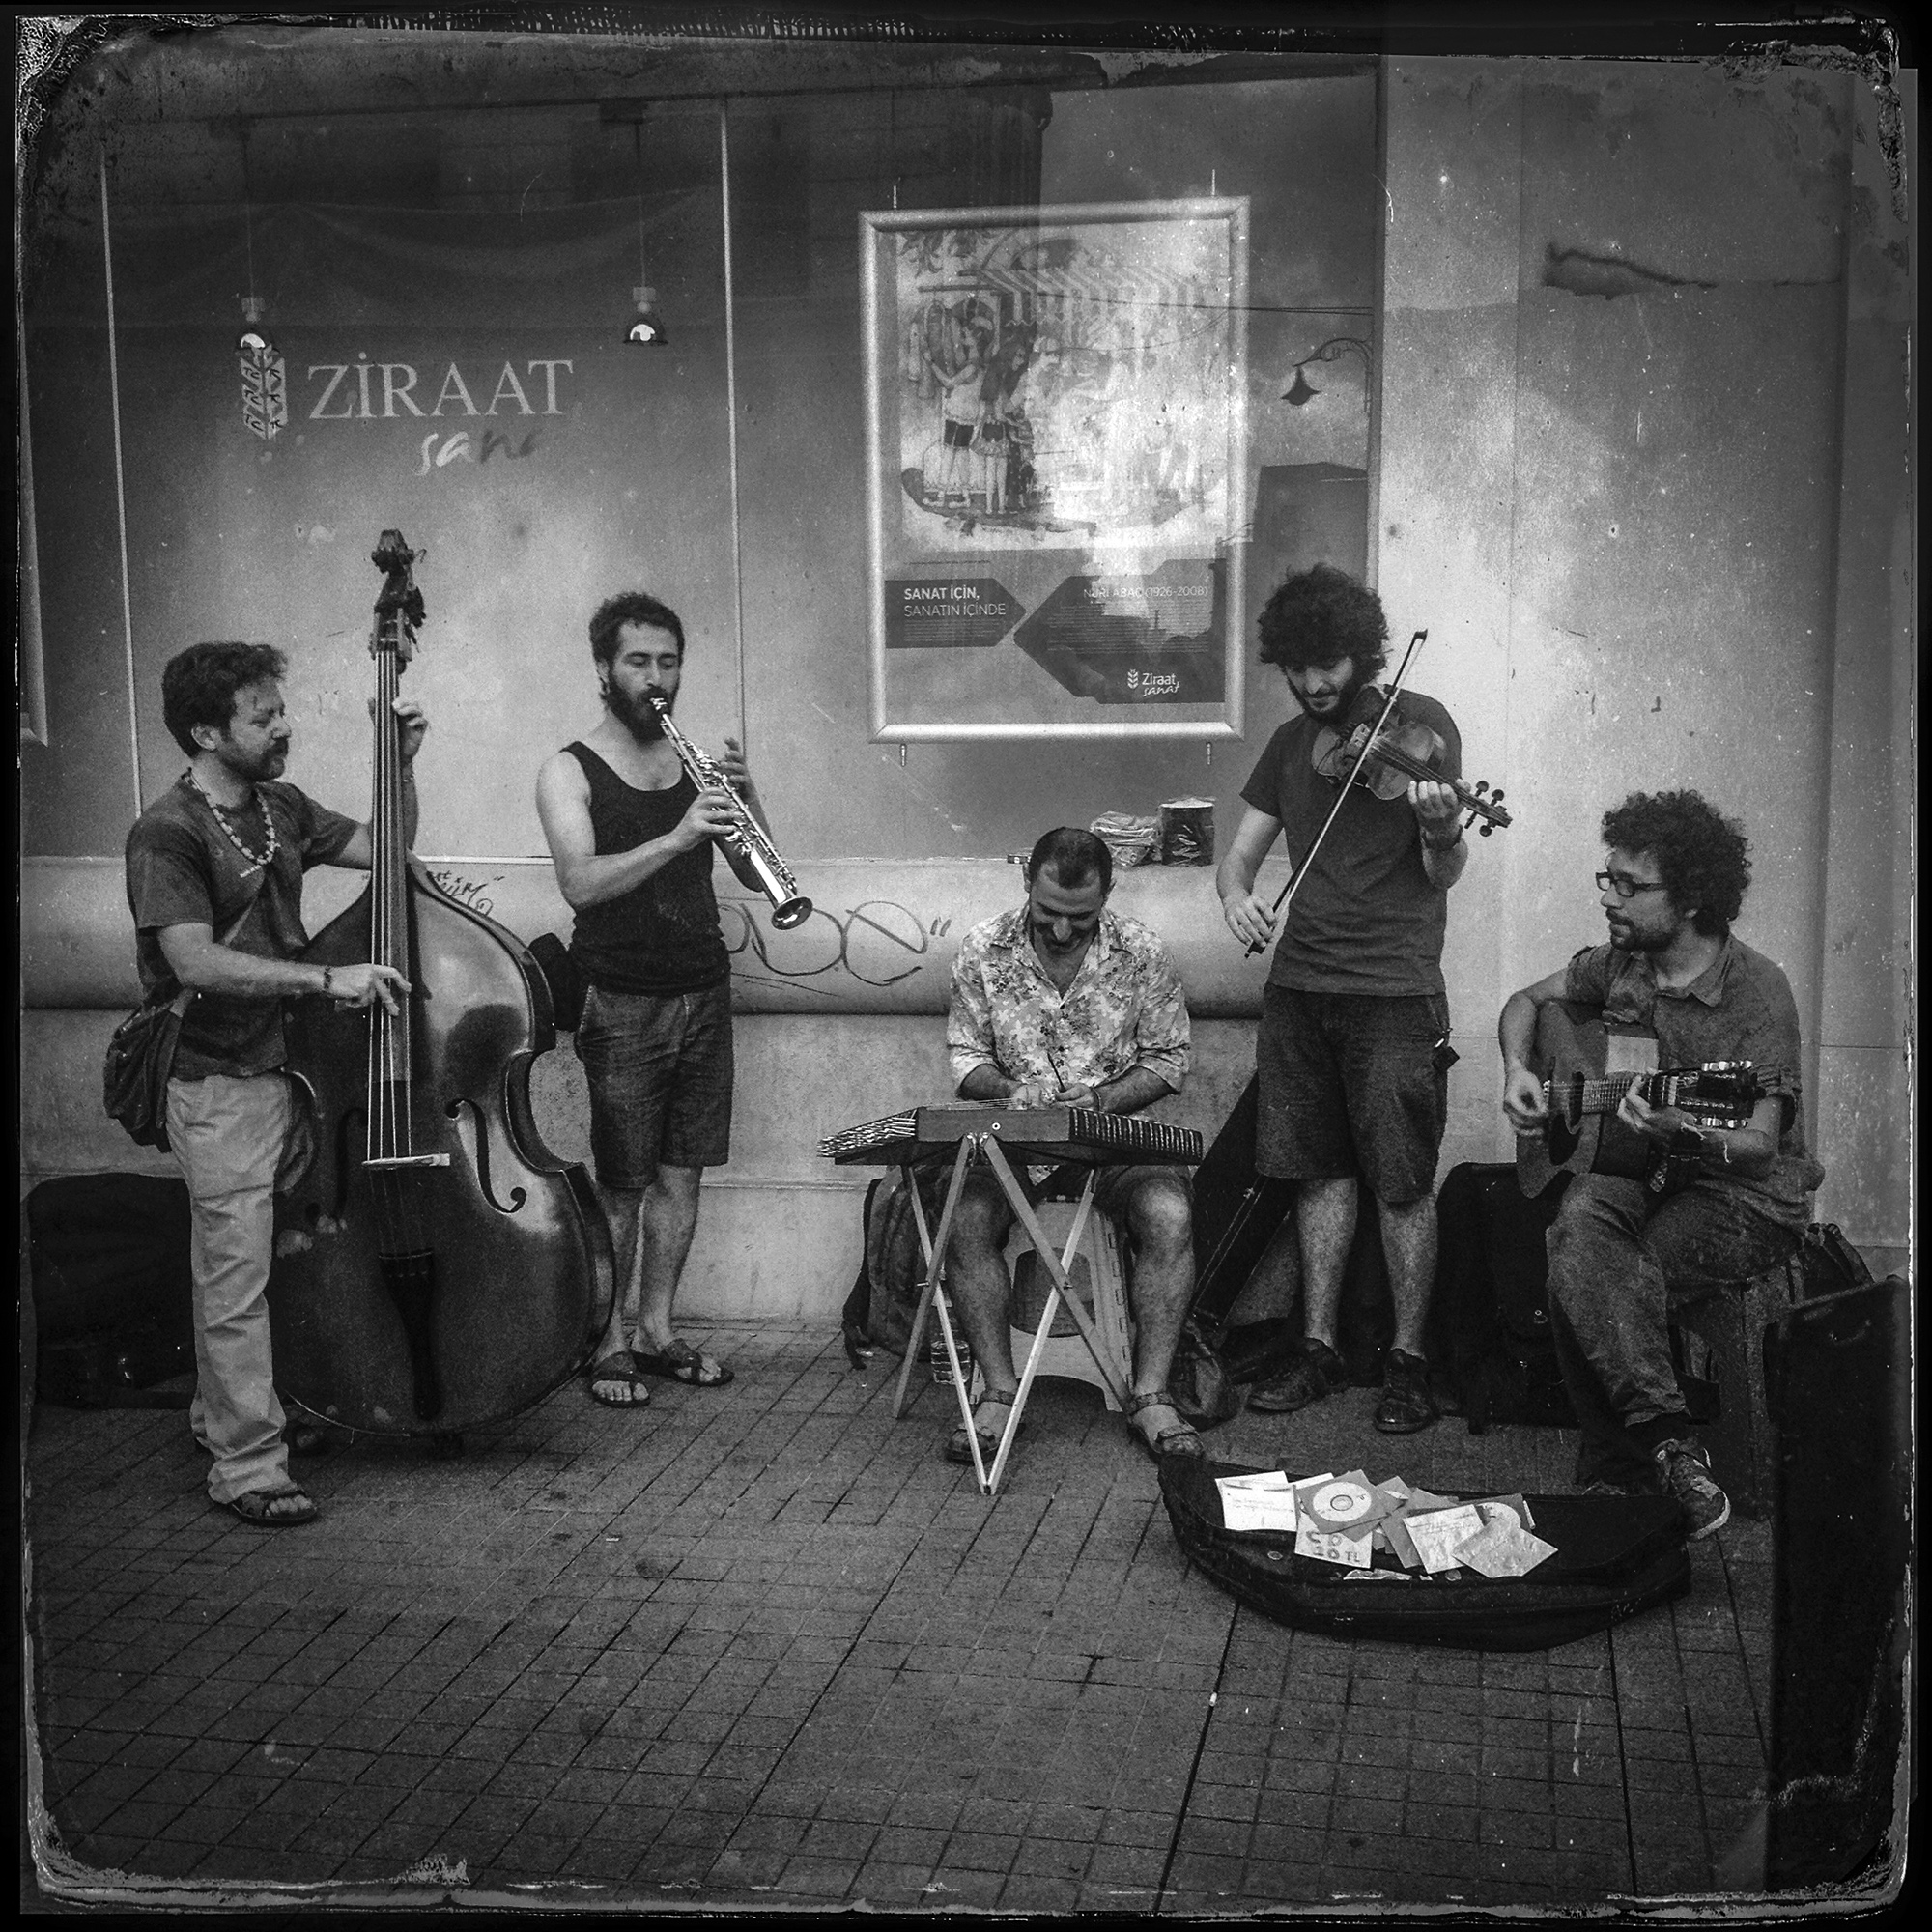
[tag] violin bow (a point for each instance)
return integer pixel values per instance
(1285, 899)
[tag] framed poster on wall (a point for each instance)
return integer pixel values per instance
(1057, 469)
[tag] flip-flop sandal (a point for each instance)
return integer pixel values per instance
(681, 1363)
(252, 1506)
(1184, 1442)
(620, 1367)
(958, 1449)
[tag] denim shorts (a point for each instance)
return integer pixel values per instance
(660, 1071)
(1349, 1085)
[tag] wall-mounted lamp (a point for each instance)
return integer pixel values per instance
(1301, 389)
(648, 328)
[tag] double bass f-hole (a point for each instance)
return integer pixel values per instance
(456, 1109)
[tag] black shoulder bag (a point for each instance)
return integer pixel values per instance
(141, 1055)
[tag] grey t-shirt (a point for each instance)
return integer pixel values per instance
(1739, 1008)
(184, 870)
(1366, 919)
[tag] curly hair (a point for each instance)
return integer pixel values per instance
(198, 686)
(1320, 615)
(1701, 855)
(631, 606)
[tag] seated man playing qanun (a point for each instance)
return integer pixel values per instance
(1062, 1003)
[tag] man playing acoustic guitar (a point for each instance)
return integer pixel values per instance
(1717, 1206)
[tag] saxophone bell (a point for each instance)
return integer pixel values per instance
(746, 843)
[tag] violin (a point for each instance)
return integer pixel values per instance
(437, 1266)
(1385, 752)
(1405, 750)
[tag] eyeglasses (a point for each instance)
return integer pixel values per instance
(1627, 889)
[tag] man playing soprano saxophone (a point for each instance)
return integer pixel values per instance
(631, 837)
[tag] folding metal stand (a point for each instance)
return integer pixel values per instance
(975, 1149)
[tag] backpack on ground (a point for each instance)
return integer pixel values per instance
(1489, 1316)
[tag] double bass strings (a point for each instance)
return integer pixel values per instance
(390, 1111)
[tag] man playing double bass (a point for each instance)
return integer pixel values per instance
(1353, 1051)
(215, 869)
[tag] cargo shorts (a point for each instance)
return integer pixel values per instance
(1350, 1085)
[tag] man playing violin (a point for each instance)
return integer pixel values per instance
(1624, 1255)
(632, 838)
(1062, 1003)
(1353, 1052)
(215, 872)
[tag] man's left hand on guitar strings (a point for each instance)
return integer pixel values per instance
(1661, 1125)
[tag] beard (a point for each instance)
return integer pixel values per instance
(1341, 713)
(1627, 939)
(270, 763)
(638, 715)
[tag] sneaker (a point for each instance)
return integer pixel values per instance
(1317, 1370)
(1407, 1404)
(1684, 1467)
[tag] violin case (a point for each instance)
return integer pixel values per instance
(1615, 1555)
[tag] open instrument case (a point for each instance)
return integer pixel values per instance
(1615, 1555)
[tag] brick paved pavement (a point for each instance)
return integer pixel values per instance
(761, 1646)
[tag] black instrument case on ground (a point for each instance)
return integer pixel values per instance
(1615, 1555)
(112, 1288)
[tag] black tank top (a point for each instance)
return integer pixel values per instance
(662, 936)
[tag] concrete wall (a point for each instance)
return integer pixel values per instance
(1655, 514)
(1656, 498)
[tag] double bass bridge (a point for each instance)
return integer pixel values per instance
(386, 1162)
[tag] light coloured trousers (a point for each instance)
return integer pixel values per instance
(227, 1136)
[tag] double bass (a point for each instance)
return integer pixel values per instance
(437, 1266)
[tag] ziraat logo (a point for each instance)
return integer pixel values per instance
(366, 390)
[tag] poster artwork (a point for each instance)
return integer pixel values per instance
(1064, 379)
(1059, 435)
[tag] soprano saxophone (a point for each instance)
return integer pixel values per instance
(746, 840)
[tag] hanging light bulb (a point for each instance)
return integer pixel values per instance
(648, 328)
(1300, 390)
(265, 378)
(253, 339)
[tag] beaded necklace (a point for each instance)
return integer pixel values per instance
(233, 837)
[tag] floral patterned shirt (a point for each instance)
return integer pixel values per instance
(1123, 1010)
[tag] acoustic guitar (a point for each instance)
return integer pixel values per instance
(1582, 1134)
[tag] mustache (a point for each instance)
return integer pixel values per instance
(639, 713)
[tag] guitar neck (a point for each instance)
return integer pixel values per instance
(1605, 1093)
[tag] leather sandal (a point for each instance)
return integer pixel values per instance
(618, 1371)
(287, 1507)
(959, 1448)
(1185, 1441)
